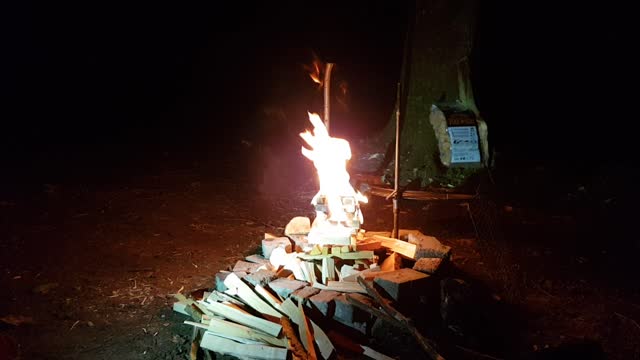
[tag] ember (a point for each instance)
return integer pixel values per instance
(338, 215)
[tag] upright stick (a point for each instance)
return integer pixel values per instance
(396, 180)
(327, 92)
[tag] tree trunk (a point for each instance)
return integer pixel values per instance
(435, 71)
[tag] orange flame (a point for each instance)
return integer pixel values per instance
(330, 156)
(315, 70)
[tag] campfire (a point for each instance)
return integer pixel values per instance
(328, 272)
(337, 203)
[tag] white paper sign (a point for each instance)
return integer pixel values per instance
(464, 144)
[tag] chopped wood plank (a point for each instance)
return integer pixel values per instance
(241, 339)
(244, 318)
(341, 286)
(180, 307)
(374, 354)
(183, 299)
(249, 296)
(345, 249)
(401, 247)
(308, 269)
(284, 287)
(368, 244)
(392, 262)
(229, 328)
(366, 254)
(220, 296)
(225, 346)
(308, 329)
(295, 345)
(328, 269)
(335, 250)
(316, 250)
(320, 337)
(291, 310)
(246, 266)
(367, 274)
(258, 259)
(269, 297)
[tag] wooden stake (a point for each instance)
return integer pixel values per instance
(327, 93)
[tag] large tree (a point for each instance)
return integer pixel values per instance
(436, 71)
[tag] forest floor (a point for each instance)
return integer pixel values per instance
(89, 265)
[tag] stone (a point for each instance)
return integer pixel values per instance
(427, 265)
(323, 301)
(285, 287)
(261, 277)
(428, 246)
(402, 285)
(301, 295)
(269, 244)
(299, 225)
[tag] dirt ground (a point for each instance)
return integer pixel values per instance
(88, 266)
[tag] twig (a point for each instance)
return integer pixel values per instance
(475, 353)
(74, 325)
(628, 319)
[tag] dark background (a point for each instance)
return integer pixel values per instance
(88, 87)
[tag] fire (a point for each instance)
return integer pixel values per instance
(337, 202)
(315, 70)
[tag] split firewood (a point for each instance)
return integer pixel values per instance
(308, 329)
(241, 317)
(425, 343)
(273, 300)
(320, 337)
(403, 248)
(217, 296)
(228, 329)
(248, 296)
(355, 255)
(392, 262)
(368, 244)
(195, 343)
(328, 269)
(297, 349)
(341, 286)
(254, 351)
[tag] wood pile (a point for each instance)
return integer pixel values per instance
(305, 301)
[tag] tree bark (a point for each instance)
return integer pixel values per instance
(435, 71)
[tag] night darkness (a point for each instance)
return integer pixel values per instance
(103, 95)
(81, 78)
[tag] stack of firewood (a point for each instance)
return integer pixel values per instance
(283, 303)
